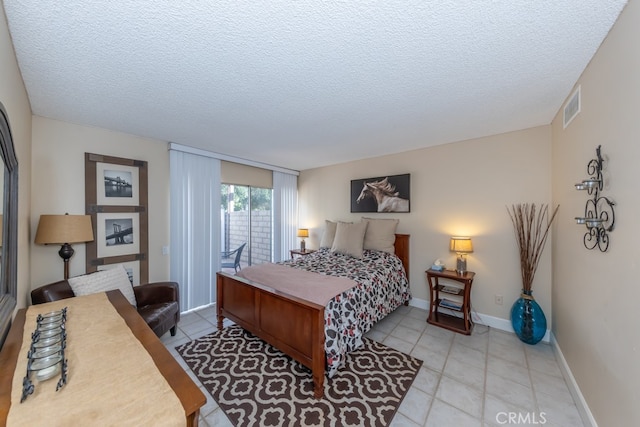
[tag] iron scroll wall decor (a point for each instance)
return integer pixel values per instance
(599, 215)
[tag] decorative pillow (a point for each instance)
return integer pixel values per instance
(349, 238)
(329, 234)
(381, 234)
(102, 281)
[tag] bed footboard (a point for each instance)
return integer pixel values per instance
(292, 325)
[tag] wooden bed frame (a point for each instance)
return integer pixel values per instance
(292, 325)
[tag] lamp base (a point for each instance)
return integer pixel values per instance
(461, 264)
(302, 245)
(66, 252)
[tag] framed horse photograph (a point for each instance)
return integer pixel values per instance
(381, 194)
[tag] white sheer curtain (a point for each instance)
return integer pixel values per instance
(195, 227)
(285, 214)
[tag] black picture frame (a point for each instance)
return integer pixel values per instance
(390, 193)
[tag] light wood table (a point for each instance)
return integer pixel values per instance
(185, 389)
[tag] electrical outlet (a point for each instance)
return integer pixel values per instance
(165, 250)
(499, 299)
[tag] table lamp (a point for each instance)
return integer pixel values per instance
(461, 246)
(303, 232)
(64, 230)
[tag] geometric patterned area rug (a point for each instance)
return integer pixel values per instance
(257, 385)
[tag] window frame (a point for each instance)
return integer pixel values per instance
(9, 260)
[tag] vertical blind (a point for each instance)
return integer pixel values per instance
(195, 227)
(285, 214)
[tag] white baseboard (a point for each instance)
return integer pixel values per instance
(578, 398)
(481, 319)
(420, 303)
(502, 324)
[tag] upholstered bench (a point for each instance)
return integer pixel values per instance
(157, 303)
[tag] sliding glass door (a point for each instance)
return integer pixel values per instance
(246, 219)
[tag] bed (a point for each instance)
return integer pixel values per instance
(294, 325)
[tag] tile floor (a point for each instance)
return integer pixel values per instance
(477, 380)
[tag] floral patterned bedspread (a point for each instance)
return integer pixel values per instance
(382, 286)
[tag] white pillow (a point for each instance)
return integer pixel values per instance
(349, 238)
(102, 281)
(329, 234)
(381, 234)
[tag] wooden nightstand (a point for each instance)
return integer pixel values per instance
(438, 293)
(301, 252)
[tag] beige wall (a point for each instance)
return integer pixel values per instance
(595, 295)
(456, 189)
(14, 98)
(58, 187)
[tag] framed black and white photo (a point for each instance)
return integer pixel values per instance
(117, 185)
(119, 231)
(118, 234)
(390, 193)
(116, 197)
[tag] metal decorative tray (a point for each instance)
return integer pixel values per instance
(46, 358)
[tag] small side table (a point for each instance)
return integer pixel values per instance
(462, 325)
(301, 252)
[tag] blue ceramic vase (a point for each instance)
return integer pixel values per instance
(528, 319)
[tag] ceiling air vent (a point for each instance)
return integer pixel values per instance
(572, 108)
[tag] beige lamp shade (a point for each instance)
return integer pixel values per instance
(461, 245)
(61, 229)
(303, 232)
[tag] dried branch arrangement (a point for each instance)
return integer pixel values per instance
(531, 226)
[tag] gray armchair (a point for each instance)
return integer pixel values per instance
(231, 259)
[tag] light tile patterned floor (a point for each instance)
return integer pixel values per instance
(477, 380)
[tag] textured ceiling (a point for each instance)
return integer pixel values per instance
(308, 83)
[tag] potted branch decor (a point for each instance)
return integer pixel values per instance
(531, 226)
